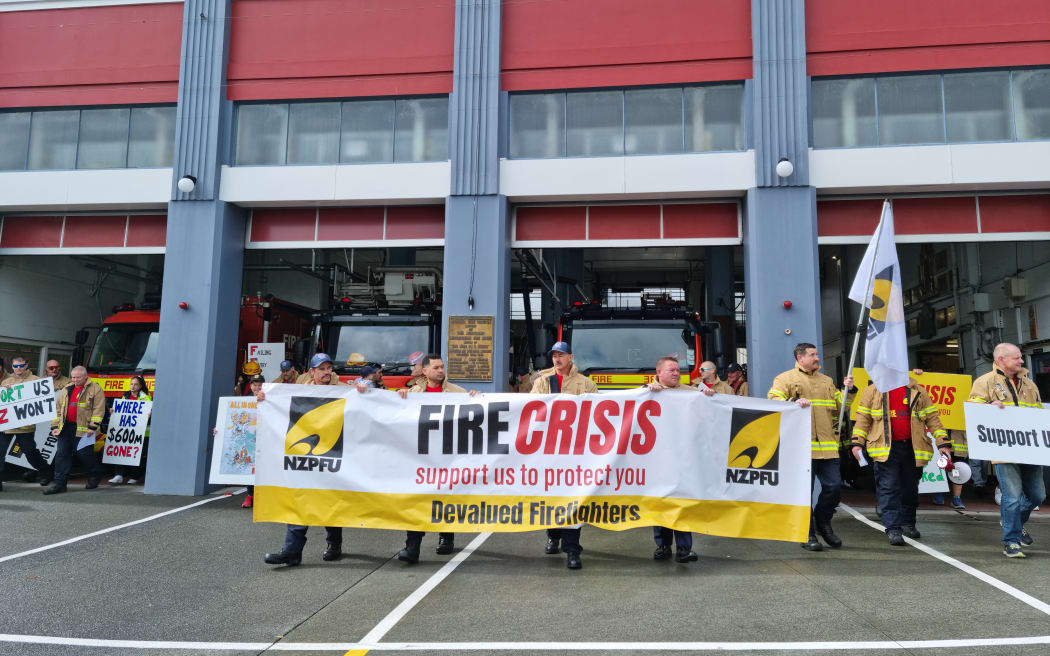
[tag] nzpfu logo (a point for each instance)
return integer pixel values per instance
(314, 441)
(754, 447)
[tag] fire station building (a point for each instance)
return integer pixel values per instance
(734, 152)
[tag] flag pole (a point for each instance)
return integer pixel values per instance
(862, 320)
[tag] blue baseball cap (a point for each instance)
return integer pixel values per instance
(286, 365)
(561, 347)
(368, 370)
(319, 359)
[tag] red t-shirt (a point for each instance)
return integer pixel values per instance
(561, 379)
(71, 407)
(433, 389)
(900, 417)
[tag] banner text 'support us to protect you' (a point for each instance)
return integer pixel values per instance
(722, 465)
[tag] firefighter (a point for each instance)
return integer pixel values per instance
(291, 554)
(250, 368)
(54, 369)
(736, 379)
(892, 428)
(434, 382)
(1022, 485)
(78, 413)
(709, 379)
(563, 378)
(23, 436)
(288, 374)
(669, 377)
(805, 385)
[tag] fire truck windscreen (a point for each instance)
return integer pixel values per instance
(609, 345)
(125, 347)
(386, 343)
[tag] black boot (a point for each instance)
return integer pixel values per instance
(685, 555)
(55, 489)
(911, 532)
(282, 557)
(332, 552)
(813, 544)
(445, 545)
(824, 530)
(574, 561)
(410, 554)
(553, 546)
(663, 552)
(896, 539)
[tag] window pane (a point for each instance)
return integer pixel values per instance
(313, 133)
(421, 130)
(843, 113)
(537, 125)
(103, 139)
(714, 118)
(53, 140)
(1032, 104)
(978, 106)
(595, 123)
(654, 121)
(368, 131)
(14, 139)
(262, 131)
(152, 137)
(910, 110)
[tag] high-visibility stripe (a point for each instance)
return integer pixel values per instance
(1031, 405)
(859, 433)
(977, 399)
(924, 453)
(778, 394)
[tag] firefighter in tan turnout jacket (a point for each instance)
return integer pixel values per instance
(23, 437)
(892, 427)
(808, 387)
(79, 409)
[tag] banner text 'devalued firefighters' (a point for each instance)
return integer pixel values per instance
(729, 466)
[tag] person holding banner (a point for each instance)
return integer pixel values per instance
(1023, 488)
(808, 387)
(736, 380)
(434, 381)
(288, 373)
(23, 436)
(892, 427)
(669, 377)
(291, 554)
(564, 378)
(79, 409)
(135, 474)
(709, 379)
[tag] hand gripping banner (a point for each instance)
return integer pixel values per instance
(722, 465)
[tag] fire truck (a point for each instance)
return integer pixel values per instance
(126, 343)
(393, 313)
(617, 347)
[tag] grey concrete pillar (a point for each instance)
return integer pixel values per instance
(203, 262)
(780, 221)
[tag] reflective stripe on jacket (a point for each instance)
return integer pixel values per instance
(825, 399)
(997, 386)
(870, 428)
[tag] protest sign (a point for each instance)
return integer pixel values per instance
(45, 444)
(233, 453)
(127, 432)
(722, 465)
(933, 479)
(269, 357)
(1009, 434)
(947, 391)
(24, 404)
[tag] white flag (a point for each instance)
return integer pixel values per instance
(878, 286)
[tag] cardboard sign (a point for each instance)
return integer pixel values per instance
(233, 453)
(28, 403)
(933, 478)
(947, 391)
(127, 432)
(46, 444)
(1020, 435)
(269, 356)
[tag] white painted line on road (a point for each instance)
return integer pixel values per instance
(342, 647)
(116, 528)
(388, 622)
(1040, 606)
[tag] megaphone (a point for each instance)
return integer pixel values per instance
(960, 473)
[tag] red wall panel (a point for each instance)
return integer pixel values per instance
(544, 223)
(904, 35)
(87, 231)
(284, 225)
(96, 55)
(147, 230)
(333, 48)
(624, 222)
(415, 222)
(344, 223)
(31, 232)
(931, 216)
(703, 220)
(1015, 213)
(581, 43)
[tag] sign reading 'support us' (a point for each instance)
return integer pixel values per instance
(1009, 434)
(722, 465)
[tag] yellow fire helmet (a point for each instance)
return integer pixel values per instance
(251, 368)
(356, 359)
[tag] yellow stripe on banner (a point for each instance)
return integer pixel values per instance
(511, 514)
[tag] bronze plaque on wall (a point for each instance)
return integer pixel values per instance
(470, 348)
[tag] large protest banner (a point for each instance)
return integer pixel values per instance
(23, 404)
(947, 391)
(1020, 435)
(127, 432)
(46, 444)
(233, 452)
(723, 465)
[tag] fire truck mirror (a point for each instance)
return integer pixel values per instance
(81, 337)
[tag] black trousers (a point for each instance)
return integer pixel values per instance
(415, 538)
(67, 451)
(570, 539)
(897, 486)
(28, 446)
